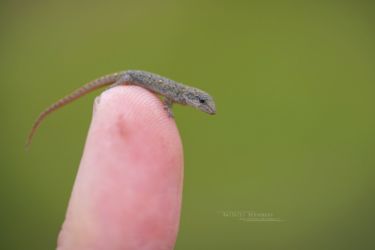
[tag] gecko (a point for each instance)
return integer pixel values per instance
(171, 91)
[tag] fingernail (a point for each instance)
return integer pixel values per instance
(96, 103)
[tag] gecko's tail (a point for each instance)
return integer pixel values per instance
(85, 89)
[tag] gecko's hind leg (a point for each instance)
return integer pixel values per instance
(123, 80)
(167, 104)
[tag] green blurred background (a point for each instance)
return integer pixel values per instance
(293, 136)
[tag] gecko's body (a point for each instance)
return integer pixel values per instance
(173, 92)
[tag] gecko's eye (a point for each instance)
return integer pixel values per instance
(202, 101)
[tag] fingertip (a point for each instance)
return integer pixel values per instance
(125, 113)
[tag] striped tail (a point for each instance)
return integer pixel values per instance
(85, 89)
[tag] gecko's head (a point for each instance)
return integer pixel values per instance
(200, 100)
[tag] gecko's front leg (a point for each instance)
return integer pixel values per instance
(167, 104)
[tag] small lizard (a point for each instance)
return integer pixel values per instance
(173, 92)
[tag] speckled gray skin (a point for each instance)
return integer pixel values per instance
(173, 92)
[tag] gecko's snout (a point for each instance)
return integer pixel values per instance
(211, 109)
(207, 105)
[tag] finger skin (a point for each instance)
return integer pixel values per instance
(127, 193)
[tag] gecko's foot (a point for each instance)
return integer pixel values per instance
(169, 111)
(123, 80)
